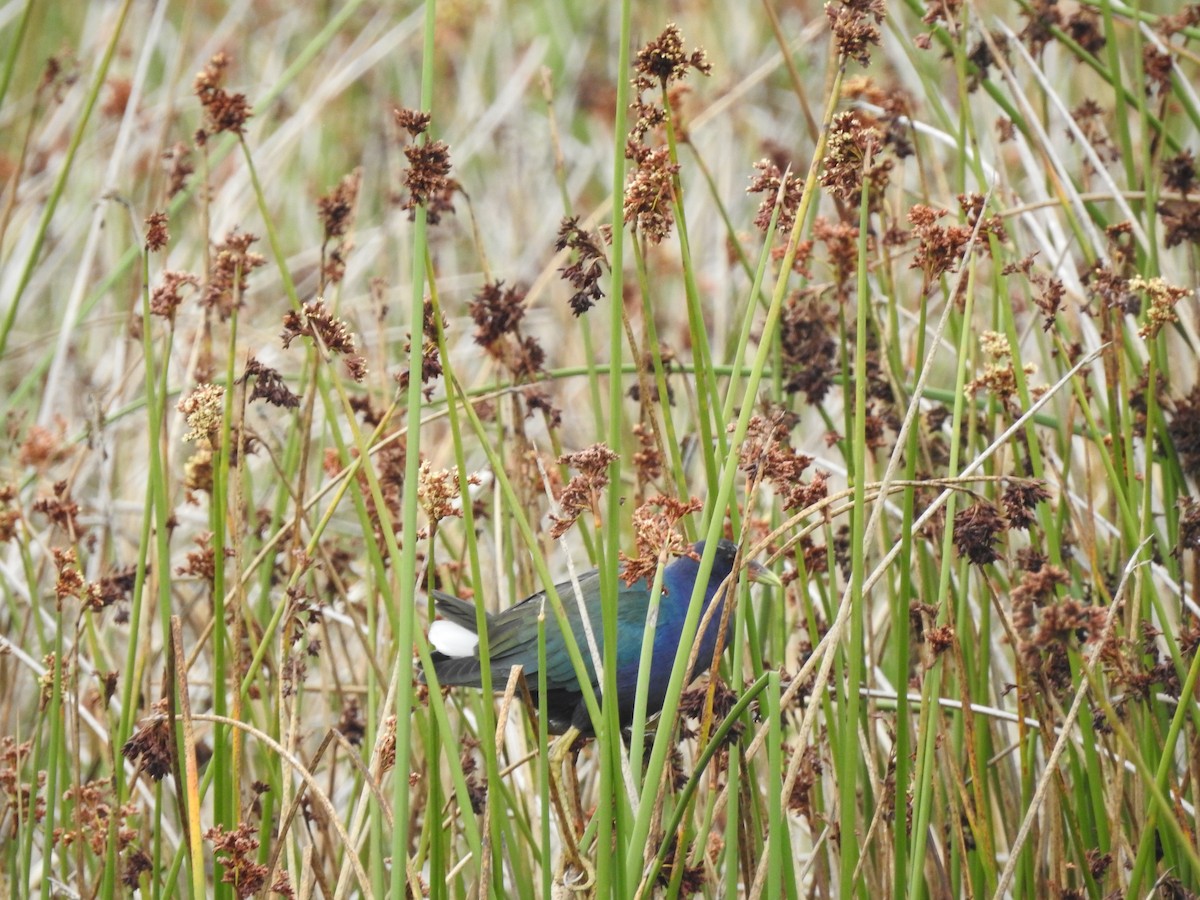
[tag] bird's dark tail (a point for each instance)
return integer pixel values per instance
(455, 642)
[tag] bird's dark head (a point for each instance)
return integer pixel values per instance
(724, 558)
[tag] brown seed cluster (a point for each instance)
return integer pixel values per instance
(498, 312)
(664, 60)
(1184, 428)
(152, 743)
(438, 492)
(94, 808)
(223, 111)
(940, 248)
(588, 267)
(853, 157)
(336, 211)
(232, 263)
(855, 26)
(656, 535)
(1048, 292)
(427, 178)
(22, 793)
(268, 385)
(809, 342)
(999, 377)
(431, 358)
(157, 233)
(767, 455)
(582, 492)
(785, 188)
(650, 192)
(649, 200)
(314, 320)
(237, 851)
(1179, 172)
(167, 296)
(976, 529)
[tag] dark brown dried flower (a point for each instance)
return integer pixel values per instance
(1188, 17)
(650, 192)
(768, 183)
(336, 210)
(70, 581)
(1189, 525)
(648, 460)
(428, 180)
(1182, 221)
(851, 155)
(972, 206)
(351, 724)
(809, 343)
(1184, 428)
(222, 111)
(497, 311)
(1038, 586)
(1050, 292)
(999, 376)
(157, 234)
(178, 166)
(1092, 121)
(655, 535)
(694, 705)
(1179, 172)
(269, 385)
(767, 454)
(1019, 501)
(942, 12)
(153, 741)
(165, 298)
(537, 400)
(855, 26)
(117, 585)
(841, 243)
(22, 795)
(10, 512)
(664, 60)
(585, 272)
(315, 320)
(232, 263)
(801, 800)
(414, 122)
(238, 853)
(940, 248)
(976, 529)
(940, 639)
(60, 509)
(135, 862)
(94, 814)
(1158, 66)
(1044, 16)
(583, 490)
(201, 563)
(431, 360)
(1084, 27)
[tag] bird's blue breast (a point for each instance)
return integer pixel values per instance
(678, 581)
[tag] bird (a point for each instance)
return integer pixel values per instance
(512, 637)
